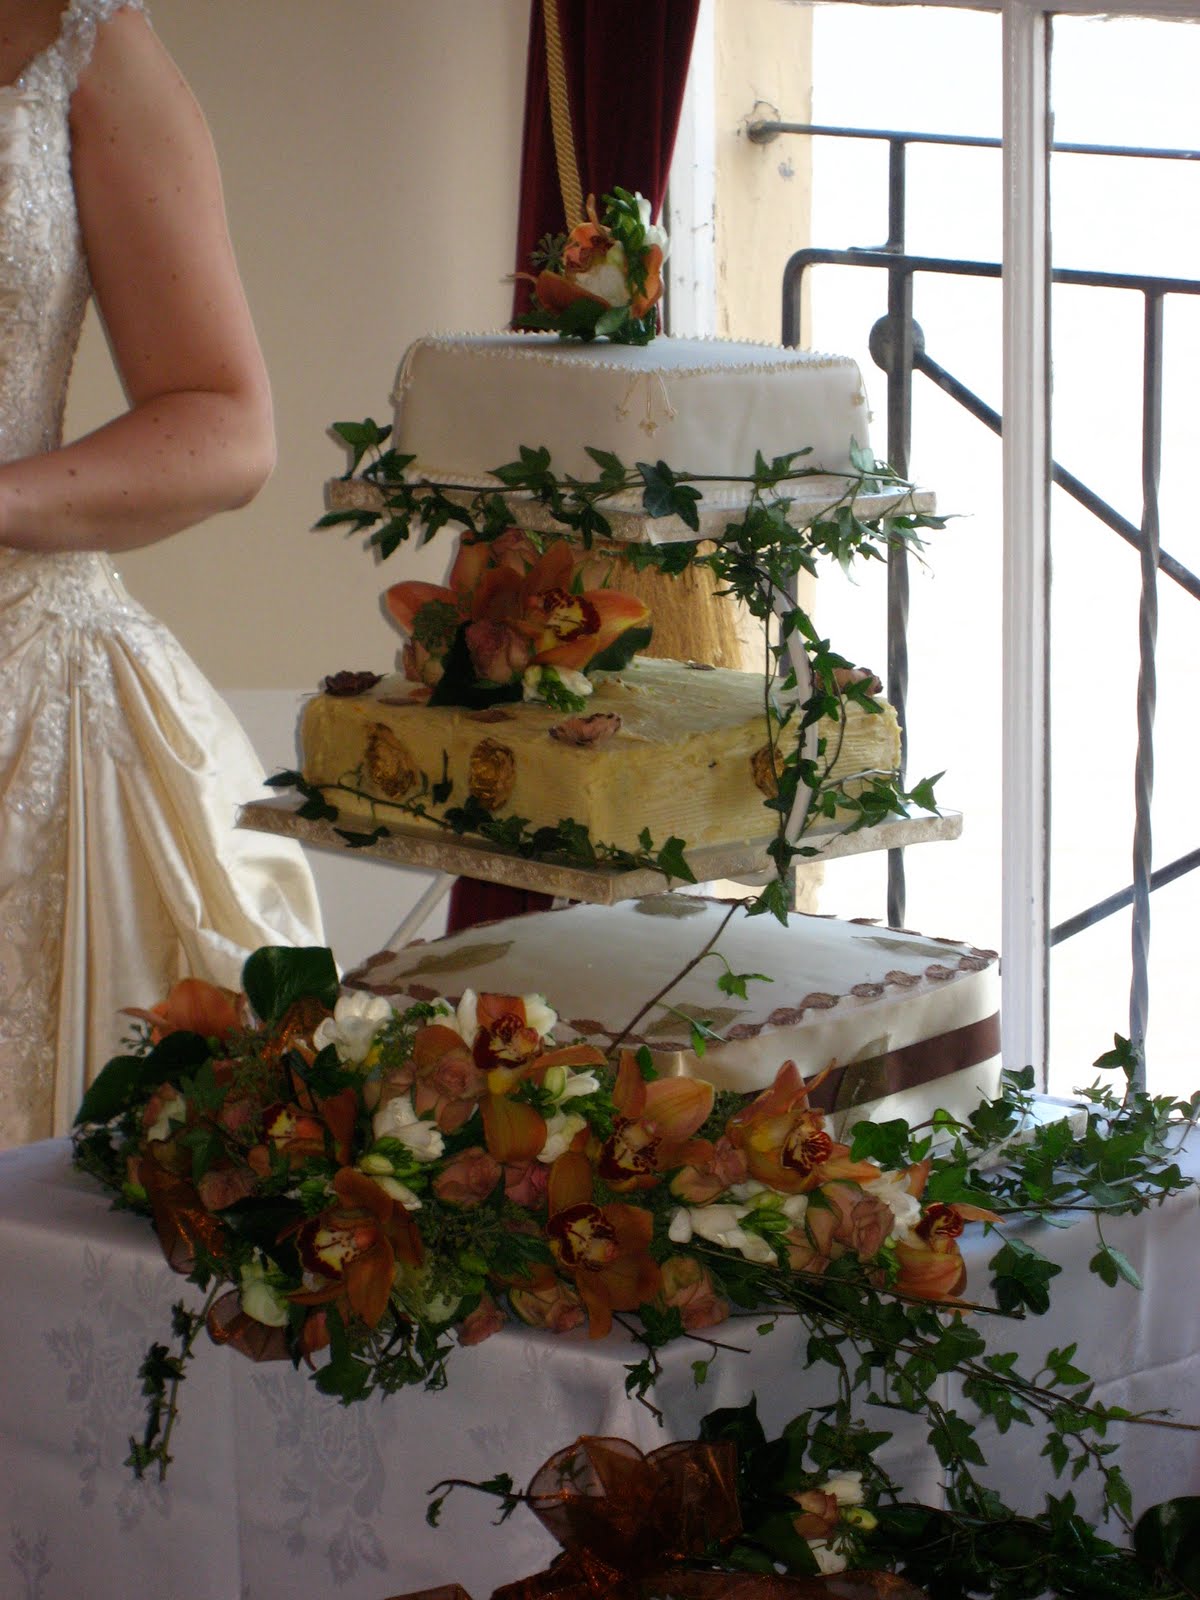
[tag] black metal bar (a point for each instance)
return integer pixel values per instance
(763, 132)
(1079, 491)
(1082, 920)
(1139, 989)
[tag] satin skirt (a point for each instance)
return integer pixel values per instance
(121, 870)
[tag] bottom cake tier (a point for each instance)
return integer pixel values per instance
(909, 1023)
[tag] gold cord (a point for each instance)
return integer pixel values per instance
(560, 119)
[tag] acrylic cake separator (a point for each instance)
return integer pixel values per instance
(911, 1022)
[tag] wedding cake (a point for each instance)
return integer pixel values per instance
(911, 1023)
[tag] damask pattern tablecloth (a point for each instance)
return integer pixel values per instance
(277, 1492)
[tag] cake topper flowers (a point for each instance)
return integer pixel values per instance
(514, 622)
(604, 277)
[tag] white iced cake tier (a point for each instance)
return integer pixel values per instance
(912, 1022)
(466, 403)
(689, 757)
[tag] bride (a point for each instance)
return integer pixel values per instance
(120, 769)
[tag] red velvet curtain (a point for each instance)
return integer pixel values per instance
(626, 65)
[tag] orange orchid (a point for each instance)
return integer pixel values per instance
(507, 1049)
(301, 1132)
(653, 1131)
(520, 609)
(786, 1144)
(603, 1249)
(931, 1264)
(595, 267)
(355, 1245)
(194, 1006)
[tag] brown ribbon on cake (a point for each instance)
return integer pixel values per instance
(633, 1525)
(913, 1064)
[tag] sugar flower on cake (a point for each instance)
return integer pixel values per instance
(511, 622)
(604, 276)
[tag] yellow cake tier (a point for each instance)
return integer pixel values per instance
(689, 760)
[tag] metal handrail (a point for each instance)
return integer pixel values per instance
(897, 345)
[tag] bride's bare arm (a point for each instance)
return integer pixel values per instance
(198, 437)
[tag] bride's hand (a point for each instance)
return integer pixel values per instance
(198, 437)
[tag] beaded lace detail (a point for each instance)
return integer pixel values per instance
(51, 606)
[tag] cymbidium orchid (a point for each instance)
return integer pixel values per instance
(654, 1127)
(351, 1250)
(603, 1249)
(786, 1144)
(518, 620)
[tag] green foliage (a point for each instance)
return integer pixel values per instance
(755, 559)
(275, 977)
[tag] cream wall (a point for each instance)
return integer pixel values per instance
(371, 154)
(763, 69)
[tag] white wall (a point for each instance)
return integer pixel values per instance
(371, 157)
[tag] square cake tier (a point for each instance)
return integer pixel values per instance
(689, 759)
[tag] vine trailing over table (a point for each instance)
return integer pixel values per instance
(757, 558)
(363, 1190)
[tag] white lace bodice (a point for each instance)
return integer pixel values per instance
(43, 273)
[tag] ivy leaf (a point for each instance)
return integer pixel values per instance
(274, 978)
(1110, 1264)
(361, 437)
(1167, 1538)
(670, 859)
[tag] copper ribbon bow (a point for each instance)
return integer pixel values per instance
(631, 1525)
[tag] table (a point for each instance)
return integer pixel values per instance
(277, 1492)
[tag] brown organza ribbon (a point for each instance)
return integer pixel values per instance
(633, 1525)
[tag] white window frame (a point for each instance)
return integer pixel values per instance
(1025, 924)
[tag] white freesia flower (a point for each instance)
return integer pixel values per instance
(829, 1559)
(174, 1108)
(719, 1224)
(573, 682)
(398, 1120)
(384, 1173)
(608, 279)
(260, 1299)
(561, 1084)
(845, 1487)
(892, 1188)
(655, 233)
(466, 1018)
(356, 1019)
(561, 1128)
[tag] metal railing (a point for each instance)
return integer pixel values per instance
(898, 347)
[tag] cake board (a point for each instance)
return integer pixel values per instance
(454, 856)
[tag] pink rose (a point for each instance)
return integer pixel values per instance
(687, 1286)
(810, 1244)
(445, 1078)
(486, 1319)
(420, 666)
(700, 1183)
(862, 1221)
(498, 652)
(525, 1183)
(553, 1305)
(467, 1178)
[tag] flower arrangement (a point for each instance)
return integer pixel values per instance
(345, 1178)
(362, 1190)
(603, 277)
(514, 621)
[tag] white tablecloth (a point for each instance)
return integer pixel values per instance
(276, 1492)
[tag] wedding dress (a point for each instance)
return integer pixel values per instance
(120, 768)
